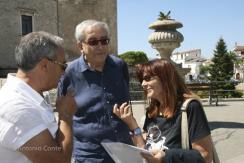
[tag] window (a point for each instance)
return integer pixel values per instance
(26, 22)
(190, 77)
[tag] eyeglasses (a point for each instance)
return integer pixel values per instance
(104, 41)
(62, 65)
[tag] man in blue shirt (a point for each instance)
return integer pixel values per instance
(100, 81)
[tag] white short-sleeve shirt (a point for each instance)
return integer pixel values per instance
(23, 114)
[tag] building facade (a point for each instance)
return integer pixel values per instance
(59, 17)
(190, 59)
(239, 67)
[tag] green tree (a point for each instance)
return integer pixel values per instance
(222, 68)
(238, 61)
(204, 71)
(133, 57)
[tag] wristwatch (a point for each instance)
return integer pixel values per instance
(137, 131)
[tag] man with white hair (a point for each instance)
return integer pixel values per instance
(100, 81)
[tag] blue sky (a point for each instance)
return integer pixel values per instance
(204, 22)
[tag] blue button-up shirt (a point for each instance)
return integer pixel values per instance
(95, 94)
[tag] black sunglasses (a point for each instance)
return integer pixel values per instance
(104, 41)
(62, 65)
(147, 78)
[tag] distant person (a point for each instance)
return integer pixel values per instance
(166, 93)
(28, 129)
(100, 80)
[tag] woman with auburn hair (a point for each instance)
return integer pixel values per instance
(166, 92)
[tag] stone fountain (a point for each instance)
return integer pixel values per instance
(166, 38)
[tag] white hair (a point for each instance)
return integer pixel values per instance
(82, 27)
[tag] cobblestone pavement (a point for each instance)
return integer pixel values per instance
(227, 127)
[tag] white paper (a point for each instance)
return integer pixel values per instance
(124, 153)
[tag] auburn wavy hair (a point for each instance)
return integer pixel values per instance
(173, 86)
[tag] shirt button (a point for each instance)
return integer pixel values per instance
(104, 88)
(111, 116)
(115, 131)
(107, 102)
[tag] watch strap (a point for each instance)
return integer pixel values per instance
(137, 131)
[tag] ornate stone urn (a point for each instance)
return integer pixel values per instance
(166, 38)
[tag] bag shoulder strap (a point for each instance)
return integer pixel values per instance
(184, 124)
(184, 129)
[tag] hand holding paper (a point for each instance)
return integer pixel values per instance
(124, 153)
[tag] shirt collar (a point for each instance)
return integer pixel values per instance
(21, 86)
(84, 66)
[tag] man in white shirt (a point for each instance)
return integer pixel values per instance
(28, 129)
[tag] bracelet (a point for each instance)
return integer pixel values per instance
(137, 131)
